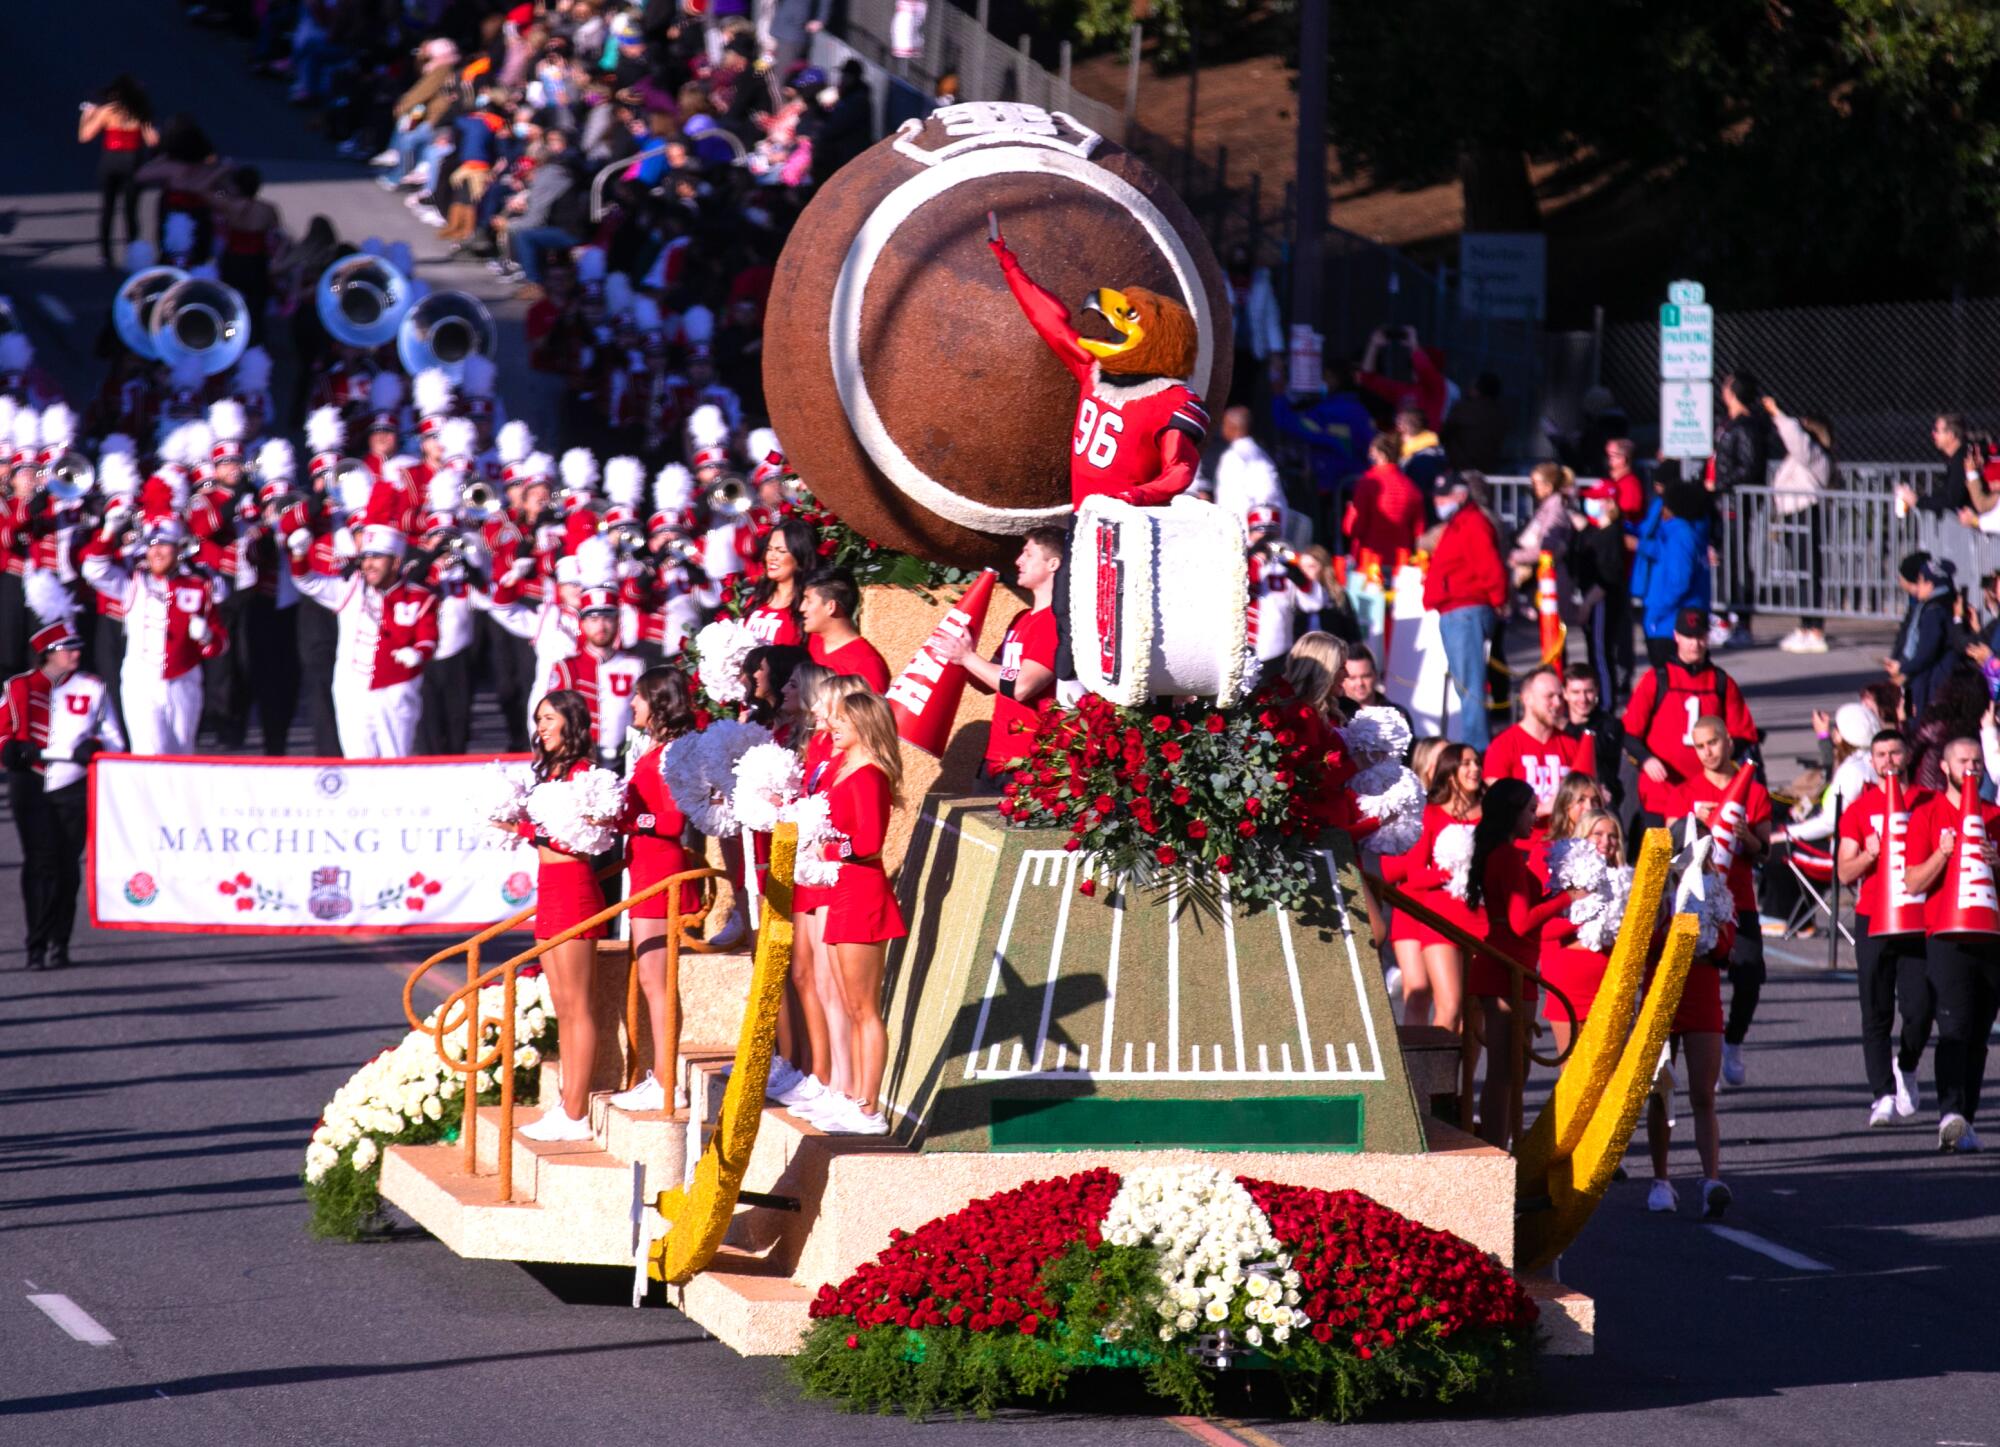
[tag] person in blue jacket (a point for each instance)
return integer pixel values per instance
(1924, 656)
(1671, 570)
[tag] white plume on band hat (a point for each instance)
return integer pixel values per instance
(253, 371)
(276, 461)
(625, 481)
(537, 467)
(579, 470)
(707, 427)
(227, 421)
(58, 427)
(596, 563)
(673, 489)
(458, 438)
(117, 474)
(326, 432)
(177, 233)
(432, 390)
(115, 442)
(356, 487)
(48, 598)
(27, 432)
(444, 492)
(514, 444)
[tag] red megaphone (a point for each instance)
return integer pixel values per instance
(1968, 903)
(1729, 811)
(925, 695)
(1885, 899)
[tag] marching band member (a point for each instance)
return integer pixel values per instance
(118, 485)
(388, 631)
(662, 710)
(579, 473)
(601, 671)
(53, 719)
(269, 637)
(320, 516)
(673, 594)
(827, 611)
(212, 519)
(451, 562)
(170, 627)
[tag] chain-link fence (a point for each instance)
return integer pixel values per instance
(1877, 374)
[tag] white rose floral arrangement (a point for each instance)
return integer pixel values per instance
(408, 1096)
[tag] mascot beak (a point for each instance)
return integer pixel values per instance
(1123, 317)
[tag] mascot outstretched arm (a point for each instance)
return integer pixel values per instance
(1139, 425)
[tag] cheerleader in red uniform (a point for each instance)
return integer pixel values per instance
(662, 710)
(1578, 794)
(791, 552)
(566, 894)
(1567, 965)
(1697, 1031)
(1433, 967)
(865, 771)
(821, 1023)
(1519, 914)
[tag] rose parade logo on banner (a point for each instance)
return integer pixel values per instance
(280, 846)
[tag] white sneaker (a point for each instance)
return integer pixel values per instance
(1969, 1141)
(1812, 643)
(1718, 635)
(848, 1118)
(1662, 1198)
(802, 1092)
(819, 1108)
(648, 1094)
(1793, 642)
(1952, 1128)
(1909, 1090)
(557, 1125)
(1882, 1112)
(1715, 1199)
(1733, 1069)
(782, 1077)
(386, 158)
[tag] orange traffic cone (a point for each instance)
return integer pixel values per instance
(1554, 635)
(924, 696)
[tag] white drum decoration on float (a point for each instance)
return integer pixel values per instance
(1159, 602)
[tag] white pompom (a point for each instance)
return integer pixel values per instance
(720, 649)
(498, 793)
(1393, 794)
(768, 778)
(700, 770)
(816, 831)
(1452, 852)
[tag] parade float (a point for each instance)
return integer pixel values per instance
(1151, 1109)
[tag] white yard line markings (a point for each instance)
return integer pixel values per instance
(72, 1318)
(1173, 982)
(1783, 1255)
(1111, 976)
(1354, 965)
(1235, 984)
(1298, 991)
(993, 975)
(1065, 879)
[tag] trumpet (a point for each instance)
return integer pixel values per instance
(728, 499)
(478, 502)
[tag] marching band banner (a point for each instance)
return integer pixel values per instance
(296, 846)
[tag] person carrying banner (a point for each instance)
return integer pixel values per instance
(53, 719)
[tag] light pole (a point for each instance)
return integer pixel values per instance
(1309, 188)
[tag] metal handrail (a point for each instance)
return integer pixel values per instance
(623, 163)
(507, 973)
(1516, 1027)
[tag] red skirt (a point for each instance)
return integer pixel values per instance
(861, 910)
(1578, 973)
(1700, 1012)
(652, 861)
(1404, 926)
(1486, 976)
(567, 893)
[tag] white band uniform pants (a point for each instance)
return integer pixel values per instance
(377, 723)
(161, 714)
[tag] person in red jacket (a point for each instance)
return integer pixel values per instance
(1386, 513)
(1466, 586)
(827, 610)
(1660, 717)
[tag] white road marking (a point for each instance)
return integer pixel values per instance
(1235, 983)
(53, 307)
(1783, 1255)
(72, 1319)
(1361, 999)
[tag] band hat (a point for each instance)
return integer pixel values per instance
(60, 634)
(597, 600)
(1262, 517)
(384, 541)
(164, 530)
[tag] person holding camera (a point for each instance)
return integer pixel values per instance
(53, 719)
(1283, 583)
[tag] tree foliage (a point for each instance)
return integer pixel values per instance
(1793, 143)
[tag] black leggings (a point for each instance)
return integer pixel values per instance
(1746, 975)
(114, 179)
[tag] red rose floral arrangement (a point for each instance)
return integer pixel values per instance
(1179, 1273)
(1186, 794)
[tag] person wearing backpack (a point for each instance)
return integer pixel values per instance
(1667, 700)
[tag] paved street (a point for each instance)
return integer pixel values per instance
(155, 1101)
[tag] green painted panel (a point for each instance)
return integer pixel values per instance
(1317, 1123)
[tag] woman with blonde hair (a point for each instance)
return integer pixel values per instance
(1548, 531)
(813, 1032)
(1313, 669)
(865, 773)
(1567, 965)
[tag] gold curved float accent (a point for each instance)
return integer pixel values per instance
(1575, 1183)
(698, 1214)
(1595, 1051)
